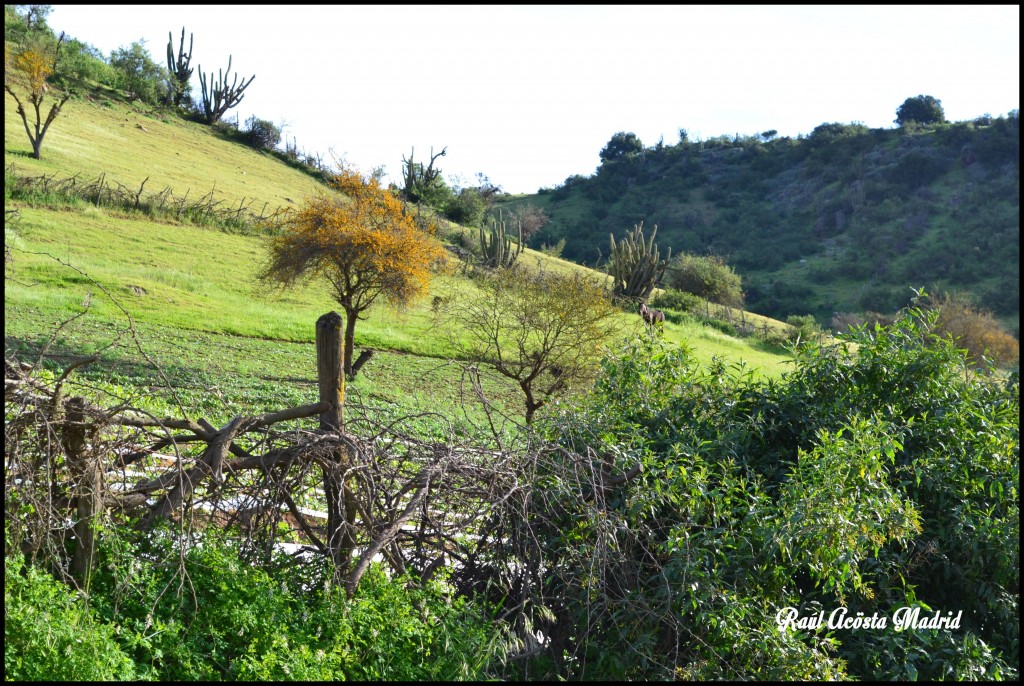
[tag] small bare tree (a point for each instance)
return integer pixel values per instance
(542, 329)
(531, 218)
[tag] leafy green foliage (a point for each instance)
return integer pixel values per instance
(810, 221)
(138, 75)
(803, 328)
(50, 634)
(622, 145)
(923, 109)
(873, 479)
(708, 277)
(681, 301)
(209, 614)
(262, 134)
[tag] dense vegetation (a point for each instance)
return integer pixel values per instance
(673, 515)
(656, 523)
(845, 219)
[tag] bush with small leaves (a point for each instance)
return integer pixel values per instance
(262, 134)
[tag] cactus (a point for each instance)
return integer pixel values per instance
(221, 97)
(179, 67)
(635, 265)
(496, 246)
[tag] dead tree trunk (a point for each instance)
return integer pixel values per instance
(341, 508)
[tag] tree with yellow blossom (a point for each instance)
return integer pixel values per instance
(35, 65)
(367, 245)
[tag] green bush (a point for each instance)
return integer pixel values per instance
(873, 478)
(467, 208)
(213, 614)
(680, 301)
(707, 277)
(137, 74)
(804, 328)
(262, 134)
(50, 634)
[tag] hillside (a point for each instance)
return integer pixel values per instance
(190, 288)
(518, 478)
(847, 219)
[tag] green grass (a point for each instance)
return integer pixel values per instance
(229, 345)
(92, 139)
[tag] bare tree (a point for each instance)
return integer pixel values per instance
(531, 218)
(542, 329)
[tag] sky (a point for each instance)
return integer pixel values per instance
(528, 95)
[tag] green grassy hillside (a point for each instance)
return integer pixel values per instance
(191, 290)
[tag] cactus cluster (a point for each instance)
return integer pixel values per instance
(179, 67)
(221, 97)
(636, 265)
(496, 245)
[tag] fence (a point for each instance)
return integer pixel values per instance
(71, 461)
(103, 192)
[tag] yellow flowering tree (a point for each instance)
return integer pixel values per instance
(367, 245)
(35, 66)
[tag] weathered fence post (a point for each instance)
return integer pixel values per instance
(88, 494)
(341, 510)
(329, 371)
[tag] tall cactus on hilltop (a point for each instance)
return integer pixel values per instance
(496, 245)
(220, 97)
(636, 265)
(179, 68)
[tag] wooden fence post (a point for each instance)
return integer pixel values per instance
(330, 378)
(341, 508)
(88, 494)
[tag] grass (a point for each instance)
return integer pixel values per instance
(101, 135)
(227, 344)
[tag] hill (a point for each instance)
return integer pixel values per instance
(846, 219)
(189, 284)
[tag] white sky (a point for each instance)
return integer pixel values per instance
(529, 95)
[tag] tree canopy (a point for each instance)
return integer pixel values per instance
(621, 145)
(544, 330)
(367, 246)
(924, 109)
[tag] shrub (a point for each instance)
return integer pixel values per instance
(872, 478)
(262, 134)
(467, 208)
(708, 277)
(553, 250)
(49, 633)
(679, 301)
(974, 329)
(81, 61)
(209, 613)
(803, 328)
(137, 74)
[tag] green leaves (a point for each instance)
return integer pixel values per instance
(872, 477)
